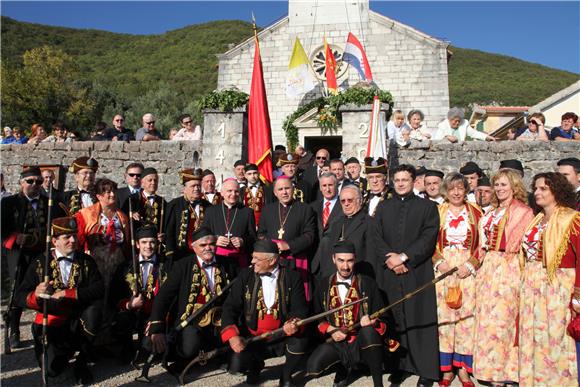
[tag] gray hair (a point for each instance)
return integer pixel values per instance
(327, 175)
(354, 188)
(455, 112)
(450, 180)
(413, 112)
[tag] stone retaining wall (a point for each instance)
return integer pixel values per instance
(169, 157)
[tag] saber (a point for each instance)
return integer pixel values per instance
(204, 357)
(46, 280)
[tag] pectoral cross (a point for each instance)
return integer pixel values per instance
(228, 235)
(281, 233)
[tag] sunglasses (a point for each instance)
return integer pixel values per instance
(347, 200)
(119, 120)
(134, 174)
(33, 181)
(150, 123)
(320, 158)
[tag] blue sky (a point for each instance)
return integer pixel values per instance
(541, 32)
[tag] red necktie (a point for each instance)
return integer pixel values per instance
(325, 214)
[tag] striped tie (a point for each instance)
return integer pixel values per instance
(325, 214)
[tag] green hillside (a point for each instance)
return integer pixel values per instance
(170, 71)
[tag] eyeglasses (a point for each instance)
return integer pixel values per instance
(320, 158)
(150, 123)
(347, 200)
(33, 181)
(187, 122)
(134, 174)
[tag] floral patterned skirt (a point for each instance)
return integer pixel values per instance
(497, 288)
(547, 353)
(456, 326)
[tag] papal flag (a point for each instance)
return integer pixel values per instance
(376, 146)
(299, 80)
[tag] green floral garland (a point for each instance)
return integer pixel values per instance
(329, 117)
(225, 100)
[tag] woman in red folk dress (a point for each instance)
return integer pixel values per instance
(550, 289)
(497, 288)
(457, 246)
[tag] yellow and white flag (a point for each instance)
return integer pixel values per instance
(299, 79)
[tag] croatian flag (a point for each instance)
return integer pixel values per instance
(354, 54)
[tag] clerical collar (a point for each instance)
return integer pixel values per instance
(152, 260)
(289, 203)
(406, 196)
(228, 206)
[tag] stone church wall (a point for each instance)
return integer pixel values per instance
(169, 157)
(409, 64)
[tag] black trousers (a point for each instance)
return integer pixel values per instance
(367, 348)
(76, 334)
(17, 267)
(292, 348)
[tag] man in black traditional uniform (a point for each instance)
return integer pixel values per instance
(233, 225)
(24, 217)
(348, 347)
(74, 296)
(352, 225)
(484, 194)
(148, 207)
(192, 282)
(184, 216)
(208, 187)
(255, 194)
(404, 235)
(288, 163)
(240, 173)
(291, 225)
(472, 172)
(84, 170)
(376, 171)
(353, 169)
(433, 181)
(265, 297)
(419, 185)
(133, 296)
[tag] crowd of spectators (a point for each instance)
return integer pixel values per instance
(401, 129)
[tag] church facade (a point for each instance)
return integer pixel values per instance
(410, 64)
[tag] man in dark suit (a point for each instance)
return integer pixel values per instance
(327, 209)
(133, 175)
(311, 174)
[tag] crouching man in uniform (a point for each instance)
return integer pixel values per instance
(348, 347)
(265, 297)
(192, 282)
(74, 292)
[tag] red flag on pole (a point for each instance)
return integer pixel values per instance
(330, 69)
(259, 132)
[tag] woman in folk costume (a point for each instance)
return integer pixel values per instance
(498, 281)
(457, 245)
(550, 289)
(103, 230)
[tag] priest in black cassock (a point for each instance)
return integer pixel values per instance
(233, 225)
(291, 225)
(352, 225)
(404, 234)
(265, 297)
(184, 216)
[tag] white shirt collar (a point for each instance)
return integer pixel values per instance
(59, 254)
(153, 259)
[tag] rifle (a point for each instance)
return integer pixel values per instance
(144, 377)
(46, 279)
(204, 357)
(6, 315)
(406, 297)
